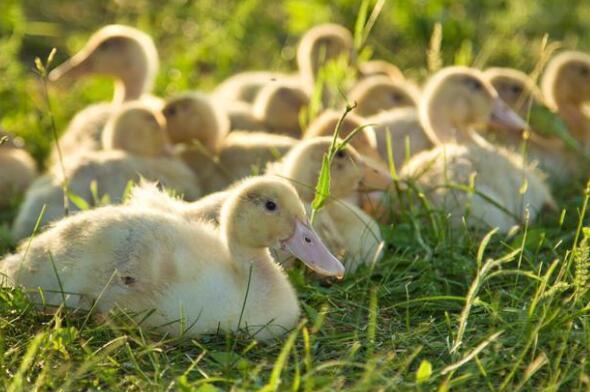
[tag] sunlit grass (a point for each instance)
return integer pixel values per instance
(445, 309)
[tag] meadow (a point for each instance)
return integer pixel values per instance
(446, 309)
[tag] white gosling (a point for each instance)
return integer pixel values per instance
(519, 91)
(194, 117)
(320, 45)
(279, 105)
(219, 158)
(403, 128)
(121, 52)
(566, 88)
(373, 68)
(197, 278)
(376, 94)
(347, 231)
(136, 146)
(364, 141)
(455, 102)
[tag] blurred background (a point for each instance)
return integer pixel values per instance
(201, 42)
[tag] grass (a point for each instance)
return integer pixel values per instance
(446, 309)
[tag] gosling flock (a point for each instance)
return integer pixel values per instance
(225, 180)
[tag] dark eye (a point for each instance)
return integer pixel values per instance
(270, 205)
(151, 120)
(170, 111)
(396, 97)
(584, 71)
(516, 89)
(473, 84)
(340, 154)
(105, 45)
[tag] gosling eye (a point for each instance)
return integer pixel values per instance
(105, 45)
(584, 71)
(473, 84)
(516, 89)
(395, 97)
(170, 111)
(270, 205)
(151, 120)
(340, 154)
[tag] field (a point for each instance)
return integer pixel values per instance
(446, 309)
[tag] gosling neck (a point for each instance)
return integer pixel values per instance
(577, 122)
(440, 129)
(130, 88)
(243, 255)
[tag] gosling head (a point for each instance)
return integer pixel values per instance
(379, 68)
(137, 129)
(380, 93)
(241, 117)
(458, 100)
(193, 117)
(266, 212)
(118, 51)
(349, 172)
(363, 141)
(514, 87)
(320, 45)
(566, 80)
(278, 104)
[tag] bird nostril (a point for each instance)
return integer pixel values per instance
(307, 239)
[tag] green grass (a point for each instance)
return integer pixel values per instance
(445, 309)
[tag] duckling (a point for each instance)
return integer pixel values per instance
(346, 229)
(193, 276)
(241, 116)
(17, 171)
(276, 109)
(407, 137)
(455, 101)
(319, 45)
(372, 68)
(193, 116)
(246, 153)
(276, 98)
(566, 87)
(134, 127)
(519, 91)
(207, 208)
(405, 132)
(122, 52)
(220, 159)
(515, 88)
(278, 105)
(244, 86)
(364, 141)
(379, 93)
(137, 130)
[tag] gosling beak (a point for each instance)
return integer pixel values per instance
(504, 117)
(375, 177)
(307, 246)
(77, 66)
